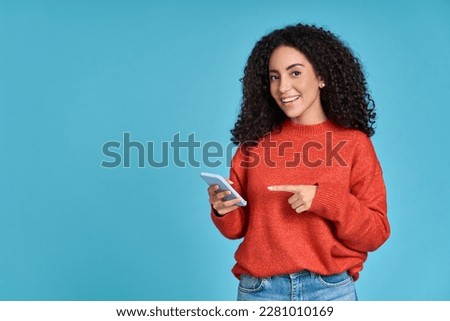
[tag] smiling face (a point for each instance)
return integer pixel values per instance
(295, 86)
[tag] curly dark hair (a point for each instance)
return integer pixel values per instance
(345, 99)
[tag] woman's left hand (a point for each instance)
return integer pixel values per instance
(302, 195)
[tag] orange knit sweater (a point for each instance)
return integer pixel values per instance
(347, 217)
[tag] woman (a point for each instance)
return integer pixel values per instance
(306, 166)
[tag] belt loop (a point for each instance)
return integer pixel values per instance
(295, 286)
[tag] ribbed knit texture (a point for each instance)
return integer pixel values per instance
(347, 218)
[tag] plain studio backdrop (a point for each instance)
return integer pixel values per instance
(92, 90)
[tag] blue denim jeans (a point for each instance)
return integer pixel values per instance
(302, 286)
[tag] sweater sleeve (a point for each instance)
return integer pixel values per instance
(233, 225)
(359, 213)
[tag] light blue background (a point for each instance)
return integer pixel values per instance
(76, 74)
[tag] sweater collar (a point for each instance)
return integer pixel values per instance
(298, 129)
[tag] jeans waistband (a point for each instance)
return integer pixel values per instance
(301, 273)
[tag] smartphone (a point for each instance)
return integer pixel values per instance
(214, 179)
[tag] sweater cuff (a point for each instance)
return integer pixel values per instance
(230, 224)
(327, 201)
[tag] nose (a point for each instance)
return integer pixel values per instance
(285, 85)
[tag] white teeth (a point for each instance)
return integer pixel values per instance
(289, 99)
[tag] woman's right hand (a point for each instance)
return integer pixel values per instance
(219, 204)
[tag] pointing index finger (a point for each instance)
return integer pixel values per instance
(283, 188)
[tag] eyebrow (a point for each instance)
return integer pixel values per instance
(289, 67)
